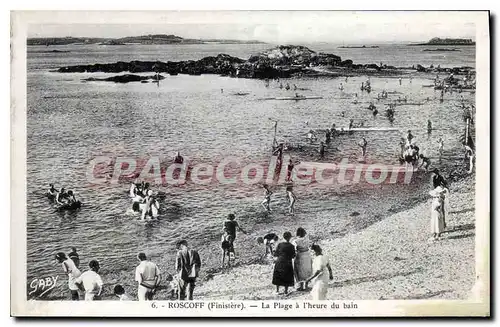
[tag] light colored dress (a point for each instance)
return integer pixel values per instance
(437, 210)
(303, 262)
(320, 283)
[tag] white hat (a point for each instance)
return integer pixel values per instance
(150, 192)
(437, 192)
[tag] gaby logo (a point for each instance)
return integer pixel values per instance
(234, 170)
(39, 287)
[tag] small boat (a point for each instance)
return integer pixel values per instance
(241, 93)
(299, 98)
(72, 206)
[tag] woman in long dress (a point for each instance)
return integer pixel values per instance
(437, 211)
(322, 273)
(283, 267)
(302, 265)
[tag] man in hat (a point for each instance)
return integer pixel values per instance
(187, 266)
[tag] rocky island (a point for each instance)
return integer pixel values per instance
(446, 41)
(283, 61)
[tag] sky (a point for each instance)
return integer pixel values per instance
(272, 27)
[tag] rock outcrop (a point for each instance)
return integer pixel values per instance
(279, 62)
(126, 78)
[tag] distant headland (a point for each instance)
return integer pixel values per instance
(143, 39)
(447, 41)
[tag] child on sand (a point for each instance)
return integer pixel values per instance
(267, 198)
(268, 240)
(291, 199)
(227, 247)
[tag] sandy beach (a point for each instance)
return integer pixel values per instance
(391, 259)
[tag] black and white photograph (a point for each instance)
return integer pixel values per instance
(250, 163)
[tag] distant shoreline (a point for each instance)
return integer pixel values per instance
(140, 40)
(359, 47)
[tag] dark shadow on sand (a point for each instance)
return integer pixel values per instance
(461, 211)
(456, 237)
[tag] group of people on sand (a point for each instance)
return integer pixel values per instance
(299, 263)
(62, 197)
(147, 276)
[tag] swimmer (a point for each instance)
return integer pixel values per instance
(133, 190)
(311, 136)
(267, 198)
(61, 197)
(440, 146)
(328, 136)
(289, 170)
(363, 145)
(178, 158)
(341, 87)
(291, 199)
(322, 150)
(409, 137)
(150, 204)
(52, 192)
(71, 197)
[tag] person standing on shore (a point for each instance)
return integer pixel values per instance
(283, 267)
(363, 144)
(232, 226)
(322, 273)
(73, 255)
(291, 199)
(147, 274)
(437, 213)
(267, 198)
(91, 282)
(226, 245)
(440, 147)
(187, 265)
(439, 181)
(73, 273)
(302, 265)
(469, 154)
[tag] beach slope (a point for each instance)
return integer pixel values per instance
(390, 260)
